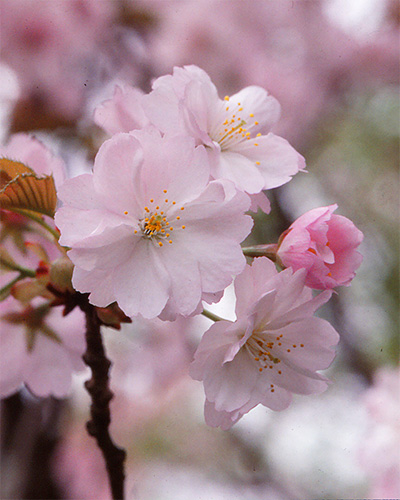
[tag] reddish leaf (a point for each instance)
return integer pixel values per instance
(21, 188)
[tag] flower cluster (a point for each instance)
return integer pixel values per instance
(156, 230)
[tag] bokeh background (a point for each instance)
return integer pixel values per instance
(334, 67)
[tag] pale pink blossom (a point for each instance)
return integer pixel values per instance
(29, 150)
(235, 130)
(380, 452)
(39, 348)
(290, 48)
(272, 350)
(148, 230)
(123, 112)
(325, 245)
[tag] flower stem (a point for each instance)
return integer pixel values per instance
(6, 290)
(261, 251)
(210, 315)
(24, 272)
(98, 388)
(39, 220)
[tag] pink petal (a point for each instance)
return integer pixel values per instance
(142, 283)
(79, 192)
(256, 100)
(278, 160)
(123, 112)
(171, 163)
(106, 250)
(260, 201)
(98, 282)
(240, 170)
(76, 224)
(183, 268)
(116, 168)
(230, 385)
(317, 336)
(252, 283)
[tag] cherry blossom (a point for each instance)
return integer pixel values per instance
(40, 347)
(272, 350)
(148, 230)
(123, 112)
(234, 129)
(325, 244)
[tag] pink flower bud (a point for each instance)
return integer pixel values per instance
(325, 245)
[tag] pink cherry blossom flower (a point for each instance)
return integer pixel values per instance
(30, 151)
(39, 348)
(123, 112)
(235, 130)
(272, 350)
(148, 230)
(325, 245)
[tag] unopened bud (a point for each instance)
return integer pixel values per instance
(61, 274)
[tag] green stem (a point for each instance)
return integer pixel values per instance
(39, 220)
(262, 251)
(13, 266)
(210, 315)
(5, 290)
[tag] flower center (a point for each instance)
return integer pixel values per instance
(260, 349)
(156, 224)
(236, 127)
(264, 349)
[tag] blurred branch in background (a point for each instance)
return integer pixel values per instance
(30, 432)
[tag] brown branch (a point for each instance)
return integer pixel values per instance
(98, 388)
